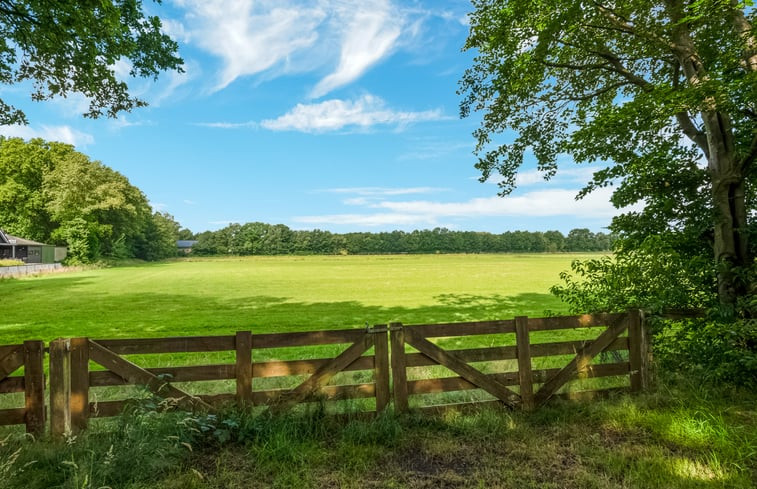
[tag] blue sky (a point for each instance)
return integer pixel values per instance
(329, 114)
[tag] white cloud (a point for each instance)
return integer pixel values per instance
(158, 206)
(64, 134)
(525, 178)
(536, 204)
(189, 202)
(540, 203)
(371, 30)
(251, 37)
(333, 115)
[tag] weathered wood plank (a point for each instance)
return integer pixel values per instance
(34, 383)
(638, 350)
(11, 361)
(496, 353)
(300, 367)
(572, 347)
(307, 338)
(461, 368)
(582, 359)
(6, 349)
(464, 329)
(11, 385)
(325, 393)
(179, 344)
(196, 373)
(573, 322)
(325, 373)
(12, 416)
(381, 370)
(451, 384)
(488, 354)
(634, 349)
(60, 387)
(137, 375)
(79, 400)
(525, 378)
(399, 366)
(244, 367)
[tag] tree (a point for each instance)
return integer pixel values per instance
(66, 47)
(665, 90)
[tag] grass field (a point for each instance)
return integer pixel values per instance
(273, 294)
(679, 435)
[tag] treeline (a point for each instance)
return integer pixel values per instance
(257, 238)
(53, 194)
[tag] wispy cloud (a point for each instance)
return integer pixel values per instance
(539, 203)
(371, 30)
(535, 204)
(333, 115)
(251, 37)
(189, 202)
(64, 134)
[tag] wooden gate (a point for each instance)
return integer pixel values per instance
(316, 384)
(30, 355)
(72, 407)
(535, 385)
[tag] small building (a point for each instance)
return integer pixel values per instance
(28, 251)
(185, 245)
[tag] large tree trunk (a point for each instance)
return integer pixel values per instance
(729, 206)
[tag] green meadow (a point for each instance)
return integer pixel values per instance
(679, 434)
(274, 294)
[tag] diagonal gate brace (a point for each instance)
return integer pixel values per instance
(134, 374)
(461, 368)
(323, 374)
(581, 360)
(11, 361)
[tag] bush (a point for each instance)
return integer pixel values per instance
(713, 351)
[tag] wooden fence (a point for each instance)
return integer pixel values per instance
(510, 371)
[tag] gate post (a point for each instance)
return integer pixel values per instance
(638, 350)
(381, 366)
(79, 397)
(60, 387)
(243, 343)
(399, 367)
(34, 390)
(523, 349)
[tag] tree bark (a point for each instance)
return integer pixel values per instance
(724, 166)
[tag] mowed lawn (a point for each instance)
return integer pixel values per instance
(274, 294)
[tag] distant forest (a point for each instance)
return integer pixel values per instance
(257, 238)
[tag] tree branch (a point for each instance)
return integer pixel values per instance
(597, 93)
(692, 132)
(744, 30)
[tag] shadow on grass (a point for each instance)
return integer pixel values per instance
(70, 312)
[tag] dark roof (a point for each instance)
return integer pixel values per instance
(8, 240)
(185, 243)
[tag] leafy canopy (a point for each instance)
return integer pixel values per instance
(65, 47)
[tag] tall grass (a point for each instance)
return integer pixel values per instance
(680, 435)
